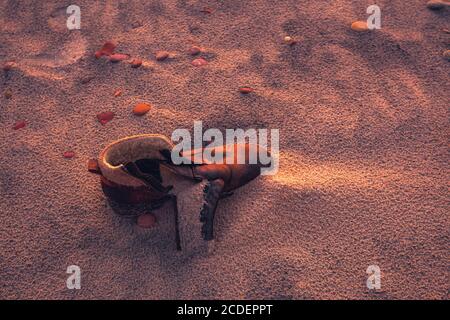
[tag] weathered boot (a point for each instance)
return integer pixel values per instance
(139, 169)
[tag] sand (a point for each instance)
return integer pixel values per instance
(363, 121)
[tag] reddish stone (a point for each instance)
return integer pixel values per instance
(194, 50)
(199, 62)
(9, 65)
(162, 55)
(117, 57)
(245, 90)
(136, 63)
(19, 125)
(105, 117)
(207, 10)
(93, 166)
(106, 50)
(141, 109)
(69, 154)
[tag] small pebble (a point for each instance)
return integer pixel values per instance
(93, 166)
(9, 65)
(162, 55)
(446, 54)
(19, 125)
(289, 40)
(107, 49)
(105, 117)
(141, 109)
(146, 221)
(98, 54)
(136, 63)
(8, 94)
(117, 57)
(69, 154)
(245, 90)
(194, 50)
(199, 62)
(435, 5)
(207, 10)
(117, 93)
(360, 26)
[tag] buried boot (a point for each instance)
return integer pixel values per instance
(139, 170)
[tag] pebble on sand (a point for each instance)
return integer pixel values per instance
(98, 54)
(19, 125)
(105, 117)
(360, 26)
(117, 57)
(436, 4)
(8, 65)
(107, 49)
(146, 221)
(93, 166)
(446, 55)
(289, 40)
(69, 154)
(141, 109)
(162, 55)
(194, 50)
(8, 94)
(199, 62)
(245, 90)
(136, 63)
(117, 93)
(207, 10)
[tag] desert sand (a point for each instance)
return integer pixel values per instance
(363, 121)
